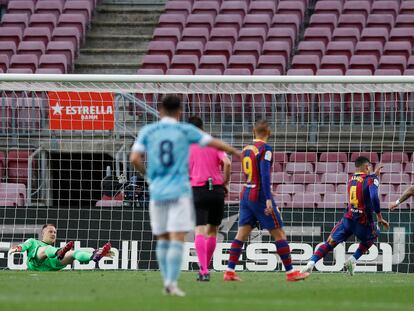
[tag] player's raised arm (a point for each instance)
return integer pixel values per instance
(21, 247)
(407, 194)
(221, 145)
(373, 192)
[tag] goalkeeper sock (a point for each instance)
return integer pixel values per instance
(211, 246)
(201, 250)
(82, 256)
(321, 252)
(362, 249)
(174, 260)
(51, 251)
(161, 253)
(283, 250)
(235, 251)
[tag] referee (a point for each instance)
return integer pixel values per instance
(209, 188)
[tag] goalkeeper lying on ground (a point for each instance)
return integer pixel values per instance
(42, 256)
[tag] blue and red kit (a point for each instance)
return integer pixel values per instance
(257, 160)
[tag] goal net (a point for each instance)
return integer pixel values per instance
(65, 143)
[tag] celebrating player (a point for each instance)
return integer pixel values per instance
(209, 188)
(405, 196)
(167, 144)
(257, 204)
(42, 256)
(358, 219)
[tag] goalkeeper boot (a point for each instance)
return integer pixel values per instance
(231, 276)
(62, 251)
(102, 252)
(349, 266)
(296, 276)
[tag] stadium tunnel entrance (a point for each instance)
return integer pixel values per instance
(76, 178)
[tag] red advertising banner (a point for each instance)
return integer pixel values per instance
(89, 111)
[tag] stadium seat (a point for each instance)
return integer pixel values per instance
(305, 200)
(267, 72)
(392, 178)
(283, 199)
(169, 34)
(357, 7)
(328, 7)
(300, 72)
(12, 194)
(206, 7)
(372, 156)
(398, 48)
(381, 21)
(393, 62)
(291, 21)
(54, 61)
(49, 6)
(162, 48)
(369, 48)
(70, 34)
(333, 157)
(7, 48)
(334, 200)
(223, 34)
(252, 34)
(180, 71)
(334, 62)
(334, 178)
(14, 34)
(328, 167)
(390, 157)
(208, 72)
(172, 21)
(190, 48)
(41, 34)
(359, 72)
(15, 20)
(311, 48)
(31, 47)
(277, 48)
(402, 34)
(320, 188)
(281, 177)
(407, 7)
(346, 34)
(161, 62)
(340, 48)
(29, 113)
(184, 62)
(242, 61)
(4, 62)
(272, 62)
(257, 21)
(23, 6)
(234, 7)
(392, 168)
(247, 48)
(55, 71)
(292, 7)
(409, 72)
(24, 61)
(200, 21)
(318, 34)
(282, 34)
(306, 62)
(178, 7)
(384, 8)
(43, 20)
(352, 21)
(369, 62)
(329, 72)
(213, 62)
(375, 34)
(218, 48)
(324, 21)
(228, 21)
(17, 166)
(406, 21)
(20, 70)
(237, 72)
(262, 7)
(73, 20)
(305, 178)
(63, 48)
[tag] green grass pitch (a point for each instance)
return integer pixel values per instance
(126, 290)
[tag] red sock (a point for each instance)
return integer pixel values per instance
(200, 245)
(211, 246)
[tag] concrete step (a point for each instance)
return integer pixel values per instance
(128, 13)
(110, 55)
(106, 71)
(118, 41)
(122, 28)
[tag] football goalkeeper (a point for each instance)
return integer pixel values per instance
(43, 256)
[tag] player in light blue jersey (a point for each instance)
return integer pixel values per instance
(167, 144)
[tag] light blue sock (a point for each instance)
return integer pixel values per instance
(174, 260)
(161, 253)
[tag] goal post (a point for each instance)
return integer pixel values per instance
(65, 141)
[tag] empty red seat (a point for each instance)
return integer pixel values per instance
(369, 48)
(392, 168)
(340, 48)
(213, 62)
(247, 48)
(281, 177)
(405, 21)
(306, 200)
(311, 48)
(190, 48)
(346, 34)
(237, 72)
(392, 178)
(184, 62)
(318, 34)
(14, 34)
(352, 21)
(372, 156)
(156, 62)
(276, 48)
(402, 34)
(407, 7)
(228, 21)
(178, 7)
(300, 72)
(369, 62)
(172, 21)
(26, 7)
(282, 34)
(180, 71)
(410, 63)
(267, 72)
(301, 156)
(262, 7)
(291, 7)
(320, 188)
(54, 71)
(206, 7)
(257, 21)
(218, 48)
(334, 178)
(70, 34)
(31, 47)
(334, 62)
(357, 7)
(409, 168)
(252, 34)
(43, 20)
(333, 157)
(287, 21)
(334, 200)
(24, 61)
(387, 72)
(41, 34)
(306, 62)
(200, 21)
(242, 61)
(15, 20)
(324, 20)
(78, 7)
(224, 34)
(4, 62)
(290, 188)
(375, 34)
(28, 113)
(329, 72)
(328, 7)
(63, 48)
(409, 72)
(7, 48)
(393, 62)
(299, 167)
(234, 7)
(12, 194)
(54, 61)
(400, 157)
(170, 34)
(17, 166)
(328, 167)
(381, 20)
(49, 6)
(305, 178)
(272, 62)
(161, 47)
(384, 7)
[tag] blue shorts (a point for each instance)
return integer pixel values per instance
(253, 212)
(346, 227)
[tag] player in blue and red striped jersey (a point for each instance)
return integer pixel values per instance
(257, 204)
(359, 216)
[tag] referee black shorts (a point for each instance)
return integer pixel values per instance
(209, 205)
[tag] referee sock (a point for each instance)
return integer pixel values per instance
(201, 250)
(283, 250)
(321, 252)
(174, 260)
(161, 253)
(362, 249)
(235, 251)
(211, 242)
